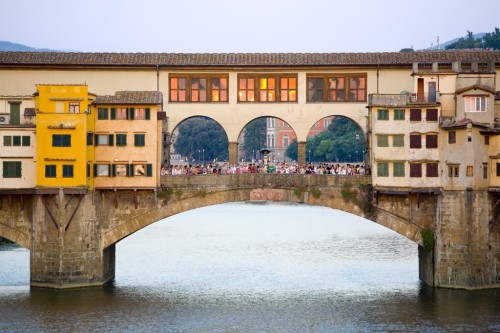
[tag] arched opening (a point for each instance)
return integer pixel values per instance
(334, 139)
(271, 133)
(15, 261)
(198, 140)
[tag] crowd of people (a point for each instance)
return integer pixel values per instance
(258, 167)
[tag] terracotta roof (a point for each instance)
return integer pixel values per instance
(131, 97)
(245, 59)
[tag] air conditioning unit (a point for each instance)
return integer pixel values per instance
(4, 119)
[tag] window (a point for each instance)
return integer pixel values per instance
(267, 89)
(326, 122)
(382, 114)
(288, 89)
(415, 141)
(286, 141)
(121, 140)
(139, 169)
(383, 169)
(399, 114)
(104, 139)
(431, 141)
(382, 141)
(470, 171)
(140, 113)
(398, 169)
(336, 89)
(431, 115)
(415, 115)
(475, 103)
(498, 169)
(339, 88)
(453, 170)
(74, 107)
(11, 169)
(415, 170)
(219, 90)
(486, 140)
(17, 140)
(121, 170)
(101, 170)
(398, 140)
(199, 89)
(68, 171)
(452, 137)
(50, 171)
(431, 169)
(315, 89)
(102, 113)
(485, 170)
(139, 140)
(61, 140)
(119, 113)
(90, 139)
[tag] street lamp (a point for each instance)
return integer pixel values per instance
(356, 156)
(309, 155)
(203, 160)
(199, 151)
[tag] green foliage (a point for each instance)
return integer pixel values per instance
(198, 133)
(254, 137)
(348, 193)
(202, 193)
(316, 192)
(428, 239)
(298, 191)
(490, 40)
(407, 49)
(165, 193)
(292, 150)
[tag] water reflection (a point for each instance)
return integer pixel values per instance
(246, 268)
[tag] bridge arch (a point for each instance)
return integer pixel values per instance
(197, 200)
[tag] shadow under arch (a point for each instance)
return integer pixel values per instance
(277, 131)
(15, 235)
(123, 230)
(200, 140)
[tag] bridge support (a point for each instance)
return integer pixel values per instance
(66, 247)
(233, 152)
(301, 152)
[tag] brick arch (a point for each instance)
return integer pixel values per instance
(132, 225)
(15, 235)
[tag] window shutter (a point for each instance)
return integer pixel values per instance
(26, 141)
(131, 114)
(148, 113)
(130, 170)
(149, 170)
(95, 140)
(95, 170)
(113, 171)
(110, 140)
(113, 114)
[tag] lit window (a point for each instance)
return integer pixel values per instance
(344, 88)
(219, 90)
(288, 89)
(475, 103)
(246, 90)
(198, 90)
(336, 89)
(177, 89)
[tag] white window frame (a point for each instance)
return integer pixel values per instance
(475, 103)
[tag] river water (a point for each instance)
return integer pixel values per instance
(245, 267)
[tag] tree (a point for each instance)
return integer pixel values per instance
(292, 150)
(469, 42)
(202, 138)
(254, 137)
(492, 40)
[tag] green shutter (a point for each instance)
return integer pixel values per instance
(7, 140)
(113, 114)
(148, 113)
(113, 171)
(110, 140)
(131, 114)
(130, 170)
(95, 170)
(95, 139)
(16, 140)
(26, 141)
(149, 170)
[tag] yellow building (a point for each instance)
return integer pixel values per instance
(127, 140)
(64, 128)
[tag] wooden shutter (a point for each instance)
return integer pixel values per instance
(148, 114)
(110, 140)
(113, 114)
(149, 170)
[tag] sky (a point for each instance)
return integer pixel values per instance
(256, 26)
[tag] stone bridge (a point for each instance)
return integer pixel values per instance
(71, 233)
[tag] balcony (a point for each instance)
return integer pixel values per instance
(402, 100)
